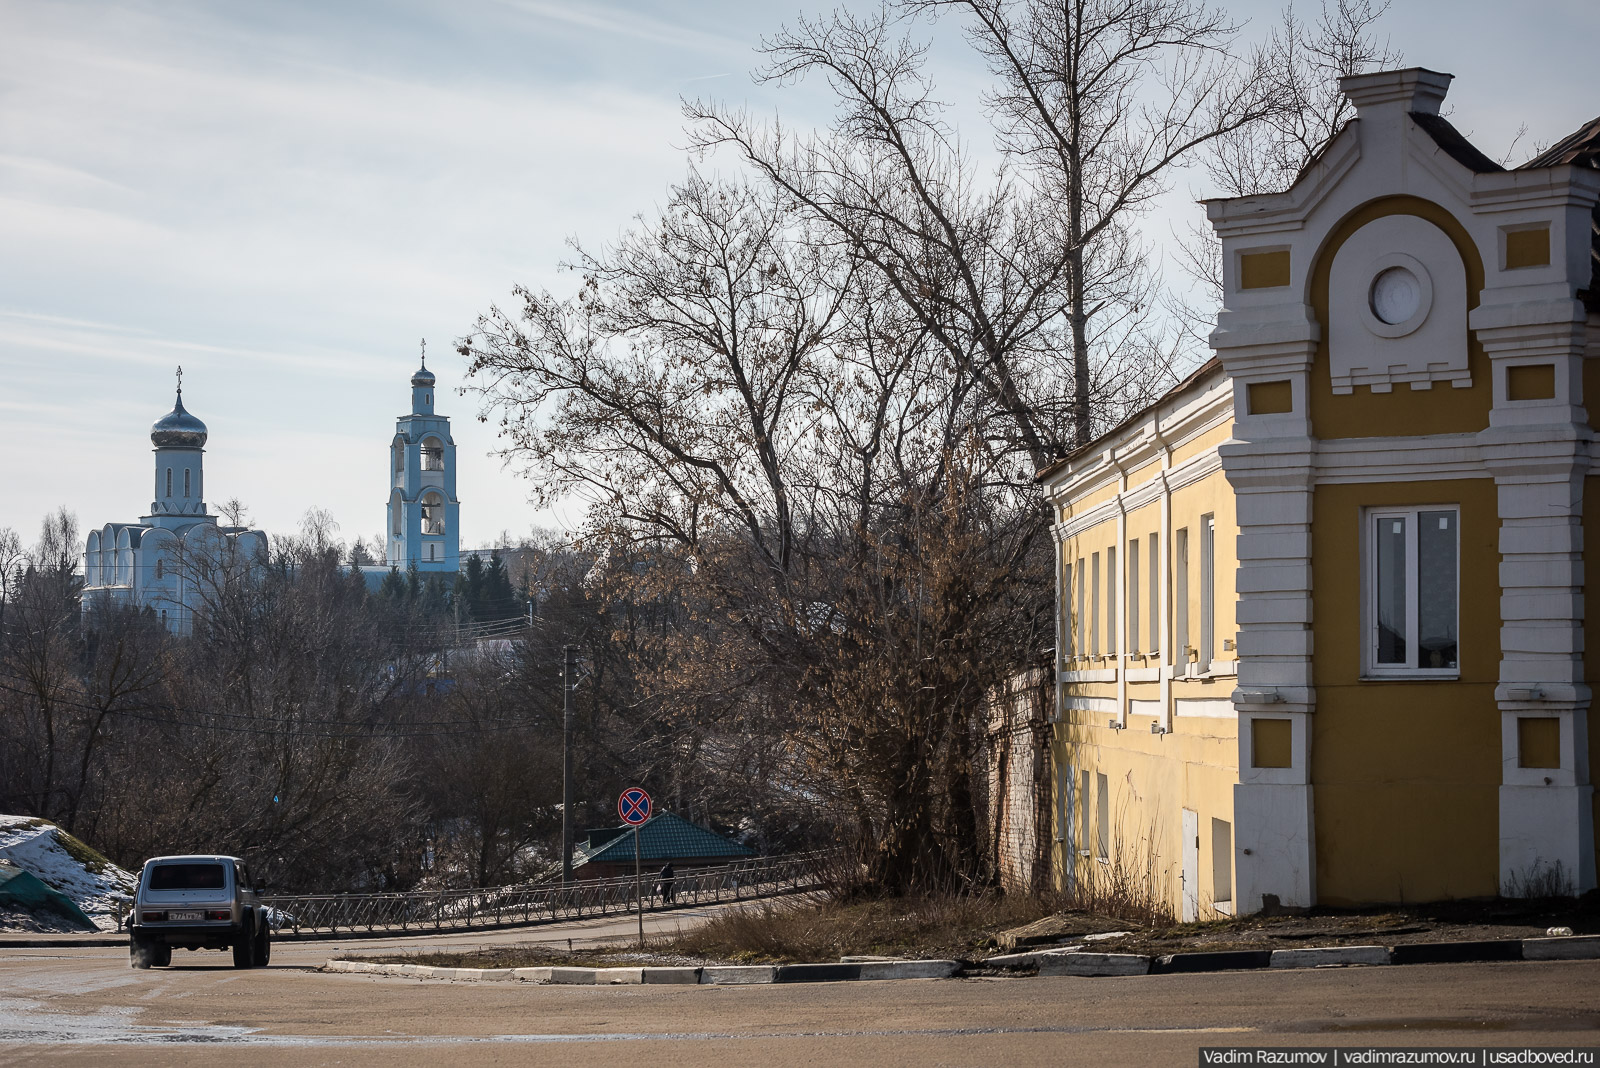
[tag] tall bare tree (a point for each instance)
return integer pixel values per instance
(1095, 102)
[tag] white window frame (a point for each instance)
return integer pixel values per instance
(1370, 668)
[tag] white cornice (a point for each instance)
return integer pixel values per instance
(1143, 443)
(1173, 479)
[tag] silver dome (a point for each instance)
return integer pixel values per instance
(178, 429)
(423, 377)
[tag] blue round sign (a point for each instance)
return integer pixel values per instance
(633, 806)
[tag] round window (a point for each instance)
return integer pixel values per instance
(1396, 295)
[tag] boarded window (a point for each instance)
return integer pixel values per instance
(1271, 743)
(1264, 270)
(1527, 248)
(1538, 742)
(1531, 382)
(1102, 804)
(1271, 398)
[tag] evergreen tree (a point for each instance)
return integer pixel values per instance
(472, 586)
(394, 587)
(413, 581)
(499, 598)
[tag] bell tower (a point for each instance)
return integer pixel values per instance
(423, 511)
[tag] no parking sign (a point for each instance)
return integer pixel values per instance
(633, 806)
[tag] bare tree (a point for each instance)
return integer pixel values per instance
(677, 369)
(1305, 62)
(1094, 103)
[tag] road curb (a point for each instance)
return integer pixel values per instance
(1577, 947)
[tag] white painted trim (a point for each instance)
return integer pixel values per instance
(1092, 704)
(1206, 707)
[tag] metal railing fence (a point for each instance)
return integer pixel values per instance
(332, 915)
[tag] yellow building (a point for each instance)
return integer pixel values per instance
(1321, 627)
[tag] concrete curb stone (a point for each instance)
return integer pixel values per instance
(909, 969)
(1049, 963)
(667, 976)
(1094, 964)
(1329, 956)
(738, 974)
(1574, 947)
(1457, 952)
(1226, 961)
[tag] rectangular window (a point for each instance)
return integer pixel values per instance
(1063, 805)
(1208, 600)
(1113, 645)
(1083, 814)
(1180, 599)
(433, 457)
(1222, 865)
(1069, 646)
(1133, 596)
(1082, 620)
(1094, 605)
(1102, 804)
(1413, 581)
(1155, 593)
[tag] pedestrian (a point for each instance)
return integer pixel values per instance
(664, 883)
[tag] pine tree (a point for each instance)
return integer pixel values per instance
(394, 587)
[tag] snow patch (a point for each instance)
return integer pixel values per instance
(101, 889)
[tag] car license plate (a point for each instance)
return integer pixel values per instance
(181, 916)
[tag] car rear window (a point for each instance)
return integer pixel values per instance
(186, 877)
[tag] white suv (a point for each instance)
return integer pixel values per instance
(199, 902)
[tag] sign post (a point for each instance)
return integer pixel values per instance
(634, 808)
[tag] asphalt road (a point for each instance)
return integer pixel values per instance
(86, 1006)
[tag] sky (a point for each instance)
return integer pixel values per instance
(286, 197)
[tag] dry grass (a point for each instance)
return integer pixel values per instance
(924, 926)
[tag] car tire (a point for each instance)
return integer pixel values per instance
(263, 943)
(140, 953)
(244, 947)
(161, 955)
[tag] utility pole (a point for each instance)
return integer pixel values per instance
(568, 670)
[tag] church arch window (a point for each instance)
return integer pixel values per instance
(169, 482)
(432, 514)
(432, 454)
(399, 458)
(396, 517)
(161, 569)
(187, 474)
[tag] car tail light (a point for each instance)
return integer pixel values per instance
(152, 917)
(219, 914)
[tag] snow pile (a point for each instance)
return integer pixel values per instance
(98, 887)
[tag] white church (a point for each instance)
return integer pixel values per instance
(171, 559)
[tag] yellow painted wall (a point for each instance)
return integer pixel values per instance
(1203, 442)
(1405, 412)
(1406, 774)
(1151, 779)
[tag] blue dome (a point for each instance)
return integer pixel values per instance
(423, 377)
(178, 429)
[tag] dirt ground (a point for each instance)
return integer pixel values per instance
(824, 933)
(1456, 921)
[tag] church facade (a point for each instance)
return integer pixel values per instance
(169, 560)
(424, 514)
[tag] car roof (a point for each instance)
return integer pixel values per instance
(194, 857)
